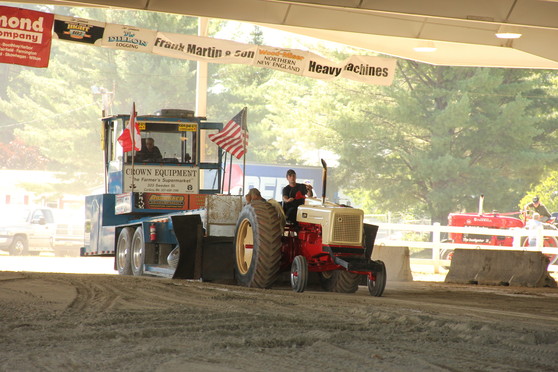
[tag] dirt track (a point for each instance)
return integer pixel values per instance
(72, 322)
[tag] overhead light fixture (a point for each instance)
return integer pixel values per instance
(425, 46)
(507, 32)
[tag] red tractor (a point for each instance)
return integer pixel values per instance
(327, 238)
(492, 220)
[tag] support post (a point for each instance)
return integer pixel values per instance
(436, 246)
(201, 74)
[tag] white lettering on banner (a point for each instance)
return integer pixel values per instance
(162, 179)
(22, 23)
(25, 36)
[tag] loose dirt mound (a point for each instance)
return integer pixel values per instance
(71, 322)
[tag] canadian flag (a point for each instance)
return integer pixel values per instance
(126, 140)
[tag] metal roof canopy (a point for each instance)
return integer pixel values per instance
(463, 31)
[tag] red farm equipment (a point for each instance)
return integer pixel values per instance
(492, 220)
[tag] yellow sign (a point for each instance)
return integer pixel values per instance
(141, 125)
(187, 127)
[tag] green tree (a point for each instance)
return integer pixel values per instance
(546, 190)
(55, 109)
(42, 107)
(439, 137)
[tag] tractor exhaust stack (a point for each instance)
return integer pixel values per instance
(324, 181)
(481, 202)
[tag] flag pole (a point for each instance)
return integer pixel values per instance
(224, 172)
(244, 119)
(243, 173)
(133, 135)
(230, 173)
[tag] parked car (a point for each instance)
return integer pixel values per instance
(69, 236)
(26, 230)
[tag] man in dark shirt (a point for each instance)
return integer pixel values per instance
(294, 195)
(149, 152)
(538, 207)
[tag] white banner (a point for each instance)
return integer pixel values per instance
(371, 70)
(205, 49)
(365, 69)
(162, 179)
(293, 61)
(128, 38)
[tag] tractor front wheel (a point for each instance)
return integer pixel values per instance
(257, 245)
(376, 287)
(299, 274)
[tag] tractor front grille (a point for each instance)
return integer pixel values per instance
(347, 228)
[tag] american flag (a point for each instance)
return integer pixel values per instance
(233, 138)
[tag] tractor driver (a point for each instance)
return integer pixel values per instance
(538, 207)
(149, 153)
(294, 195)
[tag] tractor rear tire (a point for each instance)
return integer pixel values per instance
(257, 245)
(325, 280)
(341, 281)
(124, 251)
(376, 287)
(299, 274)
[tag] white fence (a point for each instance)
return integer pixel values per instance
(435, 231)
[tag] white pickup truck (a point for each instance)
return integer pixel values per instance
(26, 230)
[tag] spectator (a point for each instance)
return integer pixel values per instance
(253, 194)
(539, 208)
(534, 225)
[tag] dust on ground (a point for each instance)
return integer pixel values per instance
(86, 322)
